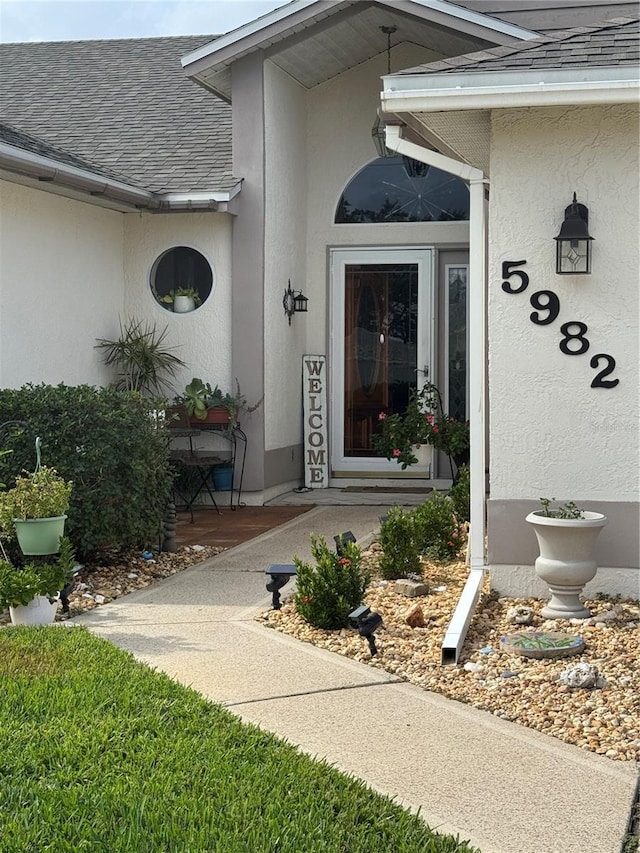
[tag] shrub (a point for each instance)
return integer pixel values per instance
(398, 539)
(330, 590)
(460, 494)
(105, 442)
(437, 530)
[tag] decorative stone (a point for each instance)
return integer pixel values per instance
(542, 644)
(486, 650)
(607, 616)
(508, 674)
(411, 588)
(583, 675)
(521, 615)
(470, 666)
(415, 617)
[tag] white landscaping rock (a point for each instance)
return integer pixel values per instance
(583, 675)
(521, 614)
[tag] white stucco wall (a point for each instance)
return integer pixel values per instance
(203, 337)
(61, 286)
(285, 242)
(551, 434)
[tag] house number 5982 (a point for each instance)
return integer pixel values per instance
(546, 305)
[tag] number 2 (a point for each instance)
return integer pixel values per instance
(598, 380)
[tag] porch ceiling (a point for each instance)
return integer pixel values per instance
(463, 134)
(321, 46)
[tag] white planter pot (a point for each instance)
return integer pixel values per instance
(424, 455)
(566, 562)
(183, 304)
(40, 611)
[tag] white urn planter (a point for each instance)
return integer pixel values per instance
(566, 562)
(183, 304)
(424, 455)
(39, 611)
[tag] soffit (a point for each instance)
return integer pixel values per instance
(463, 135)
(327, 45)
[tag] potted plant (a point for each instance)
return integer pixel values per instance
(566, 539)
(182, 299)
(35, 509)
(423, 424)
(31, 592)
(207, 405)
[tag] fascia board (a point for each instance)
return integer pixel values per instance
(446, 11)
(432, 93)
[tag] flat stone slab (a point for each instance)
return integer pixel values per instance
(542, 644)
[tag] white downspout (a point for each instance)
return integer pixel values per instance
(457, 629)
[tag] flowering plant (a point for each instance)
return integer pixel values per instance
(423, 422)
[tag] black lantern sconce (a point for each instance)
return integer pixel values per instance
(573, 243)
(294, 302)
(279, 576)
(367, 623)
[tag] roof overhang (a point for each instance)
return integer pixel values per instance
(339, 34)
(426, 93)
(51, 174)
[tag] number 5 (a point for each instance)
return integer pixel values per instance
(507, 272)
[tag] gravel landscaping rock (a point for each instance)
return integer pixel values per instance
(522, 690)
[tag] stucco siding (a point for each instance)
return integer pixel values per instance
(61, 286)
(202, 338)
(551, 433)
(285, 237)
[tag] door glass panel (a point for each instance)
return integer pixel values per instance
(381, 338)
(457, 343)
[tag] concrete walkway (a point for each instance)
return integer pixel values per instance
(505, 788)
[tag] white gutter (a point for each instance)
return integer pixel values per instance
(457, 629)
(52, 171)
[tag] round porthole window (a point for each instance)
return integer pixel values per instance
(181, 279)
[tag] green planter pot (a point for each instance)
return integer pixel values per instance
(223, 478)
(39, 536)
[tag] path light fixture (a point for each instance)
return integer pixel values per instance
(294, 302)
(573, 243)
(341, 539)
(279, 576)
(367, 623)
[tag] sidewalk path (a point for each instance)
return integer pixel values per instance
(505, 788)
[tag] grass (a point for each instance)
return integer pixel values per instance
(101, 753)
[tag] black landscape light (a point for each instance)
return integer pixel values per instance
(341, 539)
(279, 575)
(367, 623)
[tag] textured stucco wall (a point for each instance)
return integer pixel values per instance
(61, 286)
(203, 337)
(285, 235)
(551, 434)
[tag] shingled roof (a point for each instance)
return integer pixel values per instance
(123, 106)
(611, 43)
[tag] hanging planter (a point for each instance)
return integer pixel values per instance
(566, 540)
(38, 536)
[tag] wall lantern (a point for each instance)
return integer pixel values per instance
(573, 243)
(279, 576)
(294, 302)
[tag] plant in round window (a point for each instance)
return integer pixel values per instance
(181, 279)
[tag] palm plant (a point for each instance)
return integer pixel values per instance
(143, 361)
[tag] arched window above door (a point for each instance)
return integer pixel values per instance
(398, 189)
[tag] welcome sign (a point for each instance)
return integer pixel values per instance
(314, 392)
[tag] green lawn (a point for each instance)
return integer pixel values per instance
(101, 753)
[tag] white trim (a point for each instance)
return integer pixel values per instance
(424, 258)
(415, 93)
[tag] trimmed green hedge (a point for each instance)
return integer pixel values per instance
(106, 443)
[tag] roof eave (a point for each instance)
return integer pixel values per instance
(17, 160)
(500, 90)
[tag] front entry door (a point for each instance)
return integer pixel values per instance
(381, 312)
